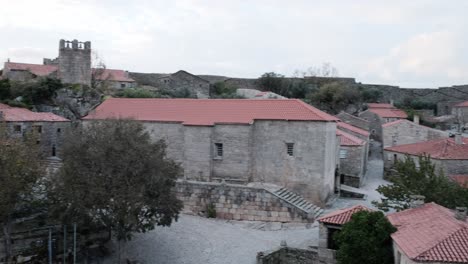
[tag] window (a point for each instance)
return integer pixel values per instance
(290, 149)
(122, 85)
(54, 150)
(398, 258)
(37, 129)
(17, 128)
(218, 150)
(373, 132)
(343, 153)
(59, 130)
(395, 157)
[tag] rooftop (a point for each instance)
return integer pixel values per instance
(208, 112)
(352, 128)
(15, 114)
(386, 111)
(462, 104)
(113, 75)
(348, 139)
(444, 148)
(341, 217)
(461, 179)
(379, 105)
(36, 69)
(431, 233)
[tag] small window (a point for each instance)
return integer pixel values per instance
(395, 157)
(373, 132)
(343, 153)
(38, 142)
(54, 150)
(219, 150)
(17, 128)
(290, 149)
(122, 85)
(37, 129)
(59, 130)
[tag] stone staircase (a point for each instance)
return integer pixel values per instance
(298, 202)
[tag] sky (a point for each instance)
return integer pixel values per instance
(412, 44)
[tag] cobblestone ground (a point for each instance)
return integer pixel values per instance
(213, 241)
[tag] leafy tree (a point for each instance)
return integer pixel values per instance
(423, 180)
(36, 92)
(365, 239)
(335, 97)
(370, 95)
(224, 90)
(115, 177)
(20, 171)
(273, 82)
(5, 92)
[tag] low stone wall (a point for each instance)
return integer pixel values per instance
(237, 202)
(288, 255)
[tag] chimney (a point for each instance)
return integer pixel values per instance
(416, 201)
(416, 119)
(458, 139)
(460, 213)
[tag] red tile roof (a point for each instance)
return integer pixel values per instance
(341, 217)
(352, 128)
(36, 69)
(444, 148)
(348, 139)
(376, 105)
(207, 112)
(431, 233)
(113, 75)
(389, 113)
(15, 114)
(461, 179)
(462, 104)
(389, 124)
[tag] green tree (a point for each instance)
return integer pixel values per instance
(115, 177)
(5, 92)
(365, 239)
(20, 172)
(420, 180)
(335, 97)
(224, 90)
(273, 82)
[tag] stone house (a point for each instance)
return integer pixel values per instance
(257, 94)
(403, 131)
(379, 114)
(47, 128)
(353, 159)
(448, 154)
(72, 66)
(353, 120)
(430, 234)
(460, 111)
(283, 142)
(182, 80)
(329, 225)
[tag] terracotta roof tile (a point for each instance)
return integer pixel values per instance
(462, 104)
(461, 179)
(431, 233)
(352, 128)
(4, 106)
(378, 105)
(341, 217)
(348, 139)
(444, 148)
(15, 114)
(36, 69)
(389, 113)
(113, 75)
(207, 112)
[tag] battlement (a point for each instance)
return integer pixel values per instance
(75, 45)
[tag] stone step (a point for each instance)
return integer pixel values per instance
(298, 201)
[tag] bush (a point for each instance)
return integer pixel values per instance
(5, 89)
(210, 211)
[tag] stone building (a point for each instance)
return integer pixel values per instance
(47, 128)
(283, 142)
(379, 114)
(353, 120)
(329, 225)
(430, 234)
(182, 80)
(353, 159)
(72, 66)
(460, 111)
(403, 132)
(448, 154)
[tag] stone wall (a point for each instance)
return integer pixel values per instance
(407, 132)
(288, 255)
(237, 202)
(74, 62)
(375, 124)
(325, 255)
(354, 120)
(352, 167)
(256, 153)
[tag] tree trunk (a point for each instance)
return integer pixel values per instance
(7, 238)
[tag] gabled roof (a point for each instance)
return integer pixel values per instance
(36, 69)
(343, 216)
(188, 73)
(379, 105)
(431, 233)
(16, 114)
(396, 122)
(358, 130)
(444, 148)
(112, 75)
(208, 112)
(386, 111)
(462, 104)
(4, 106)
(348, 139)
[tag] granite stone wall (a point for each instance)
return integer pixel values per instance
(237, 202)
(288, 255)
(74, 62)
(407, 132)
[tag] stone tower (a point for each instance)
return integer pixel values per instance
(74, 62)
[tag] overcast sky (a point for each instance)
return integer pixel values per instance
(406, 43)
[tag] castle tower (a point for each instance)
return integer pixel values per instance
(74, 62)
